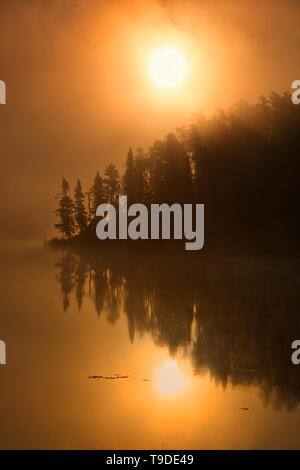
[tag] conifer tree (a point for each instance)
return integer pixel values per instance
(129, 183)
(111, 183)
(97, 193)
(65, 212)
(80, 215)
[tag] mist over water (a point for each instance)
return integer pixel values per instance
(179, 342)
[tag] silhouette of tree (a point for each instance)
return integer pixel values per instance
(97, 193)
(80, 215)
(111, 183)
(129, 182)
(142, 177)
(242, 164)
(65, 212)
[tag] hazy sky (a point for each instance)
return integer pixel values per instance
(79, 92)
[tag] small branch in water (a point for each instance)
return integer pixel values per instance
(111, 377)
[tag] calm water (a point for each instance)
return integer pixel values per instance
(195, 351)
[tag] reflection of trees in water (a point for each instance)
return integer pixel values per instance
(236, 317)
(66, 263)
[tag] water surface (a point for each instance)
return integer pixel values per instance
(194, 352)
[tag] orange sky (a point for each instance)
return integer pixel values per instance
(79, 92)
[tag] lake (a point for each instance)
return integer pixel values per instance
(133, 350)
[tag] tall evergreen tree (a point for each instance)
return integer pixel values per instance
(89, 208)
(66, 225)
(141, 181)
(97, 193)
(129, 177)
(111, 183)
(80, 215)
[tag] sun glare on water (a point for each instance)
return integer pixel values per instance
(167, 67)
(170, 380)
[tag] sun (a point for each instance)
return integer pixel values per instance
(167, 67)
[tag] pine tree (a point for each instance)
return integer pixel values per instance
(111, 183)
(141, 182)
(97, 193)
(129, 178)
(66, 226)
(80, 215)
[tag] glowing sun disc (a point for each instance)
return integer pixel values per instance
(167, 67)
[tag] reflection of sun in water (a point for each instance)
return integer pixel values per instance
(170, 380)
(167, 67)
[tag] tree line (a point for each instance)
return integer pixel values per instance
(241, 163)
(74, 217)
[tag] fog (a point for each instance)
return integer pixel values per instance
(79, 93)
